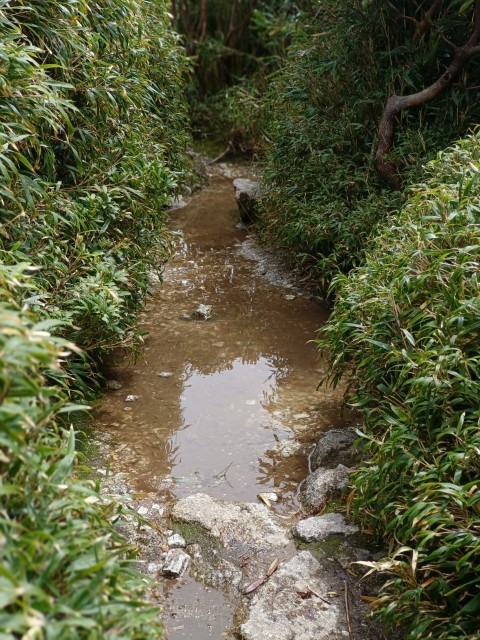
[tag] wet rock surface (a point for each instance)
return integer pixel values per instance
(335, 447)
(247, 193)
(323, 485)
(320, 527)
(243, 524)
(294, 605)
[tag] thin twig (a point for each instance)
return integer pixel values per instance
(315, 593)
(347, 608)
(222, 475)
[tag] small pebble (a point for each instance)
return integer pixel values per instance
(164, 374)
(131, 398)
(113, 385)
(176, 540)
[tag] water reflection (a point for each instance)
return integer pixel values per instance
(240, 386)
(221, 413)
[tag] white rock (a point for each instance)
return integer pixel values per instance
(176, 563)
(176, 540)
(233, 523)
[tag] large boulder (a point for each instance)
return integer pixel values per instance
(335, 447)
(246, 194)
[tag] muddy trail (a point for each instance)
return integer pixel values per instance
(220, 408)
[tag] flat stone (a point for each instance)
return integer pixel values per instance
(335, 447)
(323, 484)
(318, 528)
(233, 523)
(164, 374)
(278, 611)
(176, 563)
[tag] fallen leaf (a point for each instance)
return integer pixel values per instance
(273, 567)
(253, 586)
(264, 499)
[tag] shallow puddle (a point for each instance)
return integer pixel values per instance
(228, 405)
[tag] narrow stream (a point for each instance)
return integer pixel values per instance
(226, 406)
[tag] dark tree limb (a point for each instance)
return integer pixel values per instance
(203, 21)
(424, 24)
(386, 167)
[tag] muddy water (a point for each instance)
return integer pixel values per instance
(227, 406)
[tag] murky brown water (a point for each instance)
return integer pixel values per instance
(240, 408)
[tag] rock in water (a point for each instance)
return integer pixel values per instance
(202, 312)
(335, 447)
(320, 527)
(176, 563)
(246, 194)
(279, 612)
(322, 485)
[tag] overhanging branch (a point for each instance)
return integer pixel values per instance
(385, 166)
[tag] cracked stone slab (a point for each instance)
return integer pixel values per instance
(233, 523)
(279, 612)
(318, 528)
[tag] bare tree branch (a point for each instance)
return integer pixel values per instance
(385, 166)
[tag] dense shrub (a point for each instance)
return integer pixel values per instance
(93, 135)
(64, 571)
(405, 333)
(323, 198)
(93, 129)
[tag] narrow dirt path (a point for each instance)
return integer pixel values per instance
(223, 403)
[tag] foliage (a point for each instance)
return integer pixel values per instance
(234, 47)
(64, 570)
(405, 334)
(93, 127)
(323, 199)
(93, 136)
